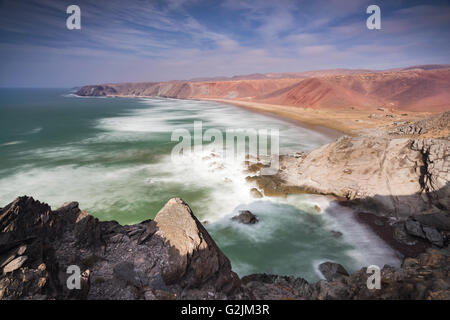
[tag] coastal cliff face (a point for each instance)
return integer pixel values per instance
(392, 174)
(171, 257)
(396, 177)
(409, 89)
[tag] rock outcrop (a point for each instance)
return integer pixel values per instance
(245, 217)
(332, 271)
(395, 177)
(421, 278)
(437, 126)
(171, 257)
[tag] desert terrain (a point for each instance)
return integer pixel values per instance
(342, 99)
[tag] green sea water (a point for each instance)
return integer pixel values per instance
(113, 156)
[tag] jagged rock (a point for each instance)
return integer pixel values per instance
(245, 217)
(172, 256)
(438, 123)
(273, 287)
(193, 257)
(423, 278)
(414, 228)
(434, 236)
(430, 233)
(332, 271)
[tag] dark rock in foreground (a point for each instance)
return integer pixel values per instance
(332, 271)
(245, 217)
(170, 257)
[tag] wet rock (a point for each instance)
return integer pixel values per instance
(336, 234)
(245, 217)
(332, 271)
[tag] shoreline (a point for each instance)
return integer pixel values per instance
(332, 123)
(333, 132)
(341, 122)
(326, 130)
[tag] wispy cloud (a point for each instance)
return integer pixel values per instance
(180, 39)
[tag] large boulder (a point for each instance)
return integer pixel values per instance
(245, 217)
(193, 256)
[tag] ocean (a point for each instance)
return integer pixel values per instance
(113, 156)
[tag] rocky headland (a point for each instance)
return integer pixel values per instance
(400, 174)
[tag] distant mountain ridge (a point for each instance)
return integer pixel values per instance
(415, 88)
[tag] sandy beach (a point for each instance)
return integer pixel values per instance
(351, 122)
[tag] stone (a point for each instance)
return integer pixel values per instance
(395, 177)
(15, 264)
(332, 271)
(193, 257)
(154, 268)
(118, 261)
(434, 236)
(245, 217)
(21, 250)
(125, 271)
(414, 228)
(255, 193)
(336, 234)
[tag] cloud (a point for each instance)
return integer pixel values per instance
(182, 39)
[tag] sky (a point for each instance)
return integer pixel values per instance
(139, 40)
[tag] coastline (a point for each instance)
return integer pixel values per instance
(330, 122)
(349, 122)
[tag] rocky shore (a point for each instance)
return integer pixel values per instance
(388, 173)
(397, 180)
(170, 257)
